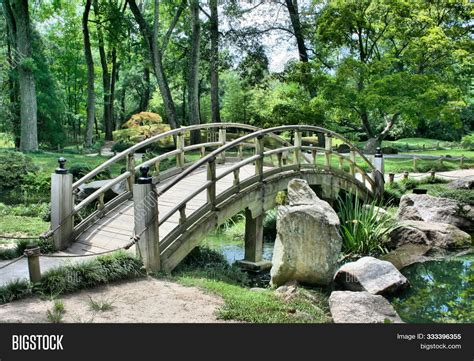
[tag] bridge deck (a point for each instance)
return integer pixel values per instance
(114, 230)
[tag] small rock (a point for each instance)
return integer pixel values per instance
(361, 307)
(407, 254)
(372, 275)
(257, 289)
(433, 234)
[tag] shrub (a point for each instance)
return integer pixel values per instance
(14, 168)
(461, 195)
(203, 262)
(269, 225)
(73, 277)
(363, 228)
(467, 141)
(120, 146)
(80, 170)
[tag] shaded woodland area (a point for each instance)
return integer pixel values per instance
(73, 72)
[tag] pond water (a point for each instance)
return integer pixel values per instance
(233, 249)
(441, 291)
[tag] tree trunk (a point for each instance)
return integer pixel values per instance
(13, 87)
(90, 75)
(151, 40)
(145, 98)
(114, 75)
(214, 29)
(28, 106)
(193, 72)
(107, 119)
(292, 6)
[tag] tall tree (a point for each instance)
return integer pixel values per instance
(193, 71)
(156, 50)
(90, 75)
(18, 20)
(13, 87)
(214, 61)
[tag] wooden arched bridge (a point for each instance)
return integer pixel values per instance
(235, 168)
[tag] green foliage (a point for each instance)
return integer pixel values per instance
(15, 290)
(203, 262)
(208, 269)
(72, 277)
(462, 195)
(55, 315)
(14, 169)
(121, 145)
(269, 225)
(100, 305)
(375, 48)
(363, 228)
(467, 142)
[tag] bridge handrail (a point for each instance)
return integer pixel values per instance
(154, 139)
(262, 132)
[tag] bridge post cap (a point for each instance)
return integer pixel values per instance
(260, 136)
(62, 163)
(144, 176)
(378, 152)
(328, 134)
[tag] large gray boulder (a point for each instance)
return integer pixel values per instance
(361, 307)
(372, 275)
(308, 243)
(433, 234)
(423, 207)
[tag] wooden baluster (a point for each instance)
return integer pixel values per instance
(203, 152)
(180, 147)
(341, 162)
(259, 149)
(297, 143)
(157, 168)
(222, 141)
(240, 152)
(211, 177)
(182, 214)
(314, 153)
(353, 162)
(237, 179)
(280, 159)
(131, 169)
(328, 150)
(101, 204)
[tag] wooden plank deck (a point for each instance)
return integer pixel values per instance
(115, 229)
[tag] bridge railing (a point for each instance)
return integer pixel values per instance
(216, 135)
(288, 158)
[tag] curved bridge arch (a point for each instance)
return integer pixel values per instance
(270, 164)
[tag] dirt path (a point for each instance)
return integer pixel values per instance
(143, 301)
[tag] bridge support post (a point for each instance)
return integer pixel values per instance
(62, 205)
(254, 243)
(378, 173)
(145, 201)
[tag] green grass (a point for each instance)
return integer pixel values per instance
(100, 305)
(209, 271)
(73, 277)
(22, 226)
(55, 315)
(242, 304)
